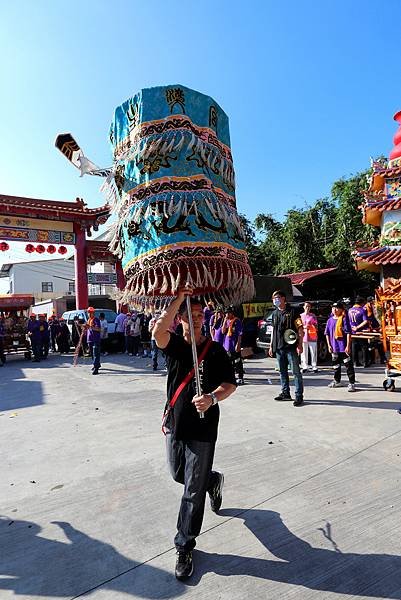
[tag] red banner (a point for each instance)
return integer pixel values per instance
(11, 301)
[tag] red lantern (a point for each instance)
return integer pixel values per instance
(4, 246)
(62, 250)
(30, 248)
(40, 248)
(51, 249)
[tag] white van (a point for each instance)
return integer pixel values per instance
(110, 316)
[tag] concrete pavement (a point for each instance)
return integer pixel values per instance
(311, 505)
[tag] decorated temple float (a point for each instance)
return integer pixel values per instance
(14, 310)
(382, 208)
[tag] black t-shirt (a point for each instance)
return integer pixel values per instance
(289, 318)
(216, 368)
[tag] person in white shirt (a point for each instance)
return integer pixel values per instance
(104, 334)
(310, 326)
(120, 328)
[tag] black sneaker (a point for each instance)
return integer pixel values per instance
(184, 566)
(298, 402)
(283, 397)
(216, 493)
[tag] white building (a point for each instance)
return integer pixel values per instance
(43, 279)
(102, 289)
(55, 277)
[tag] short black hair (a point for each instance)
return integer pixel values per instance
(193, 301)
(101, 316)
(360, 300)
(338, 305)
(279, 293)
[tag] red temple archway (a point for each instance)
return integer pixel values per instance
(52, 222)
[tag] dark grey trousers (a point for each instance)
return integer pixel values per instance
(190, 463)
(339, 358)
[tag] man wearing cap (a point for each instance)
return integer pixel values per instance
(338, 336)
(358, 318)
(33, 333)
(191, 440)
(232, 332)
(93, 338)
(287, 345)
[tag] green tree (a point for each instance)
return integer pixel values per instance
(350, 230)
(315, 237)
(296, 244)
(256, 257)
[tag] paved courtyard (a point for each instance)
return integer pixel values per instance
(312, 503)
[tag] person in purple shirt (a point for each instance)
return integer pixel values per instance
(216, 324)
(33, 332)
(2, 334)
(232, 331)
(93, 329)
(208, 312)
(338, 336)
(44, 336)
(359, 320)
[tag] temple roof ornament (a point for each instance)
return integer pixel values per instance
(382, 198)
(396, 151)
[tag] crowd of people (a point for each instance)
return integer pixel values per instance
(191, 415)
(132, 334)
(349, 334)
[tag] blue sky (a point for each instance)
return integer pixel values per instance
(310, 87)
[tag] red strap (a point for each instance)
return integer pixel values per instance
(183, 384)
(190, 374)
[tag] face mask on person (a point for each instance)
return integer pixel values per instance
(276, 301)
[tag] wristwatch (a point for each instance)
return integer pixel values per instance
(214, 398)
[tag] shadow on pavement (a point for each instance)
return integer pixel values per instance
(355, 403)
(299, 563)
(16, 390)
(32, 565)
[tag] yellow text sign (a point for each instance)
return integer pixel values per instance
(256, 309)
(41, 224)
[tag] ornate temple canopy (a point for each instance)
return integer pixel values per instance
(54, 222)
(76, 212)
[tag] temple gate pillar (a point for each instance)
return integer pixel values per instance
(120, 276)
(81, 277)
